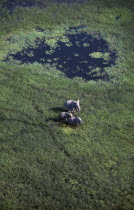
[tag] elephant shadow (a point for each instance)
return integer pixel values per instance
(58, 109)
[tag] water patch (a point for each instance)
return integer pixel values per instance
(11, 5)
(69, 1)
(117, 18)
(76, 55)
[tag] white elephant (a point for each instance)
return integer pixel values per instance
(74, 121)
(64, 116)
(72, 106)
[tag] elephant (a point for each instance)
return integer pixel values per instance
(64, 116)
(74, 121)
(72, 106)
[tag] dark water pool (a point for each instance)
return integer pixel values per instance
(69, 1)
(83, 56)
(12, 4)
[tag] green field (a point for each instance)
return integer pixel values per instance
(46, 164)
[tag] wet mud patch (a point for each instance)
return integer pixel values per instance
(76, 54)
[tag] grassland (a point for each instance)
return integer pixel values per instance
(49, 165)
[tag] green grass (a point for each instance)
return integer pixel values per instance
(47, 164)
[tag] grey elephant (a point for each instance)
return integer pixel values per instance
(64, 116)
(74, 121)
(72, 106)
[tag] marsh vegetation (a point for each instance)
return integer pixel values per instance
(77, 54)
(46, 164)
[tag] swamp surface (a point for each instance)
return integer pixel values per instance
(77, 55)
